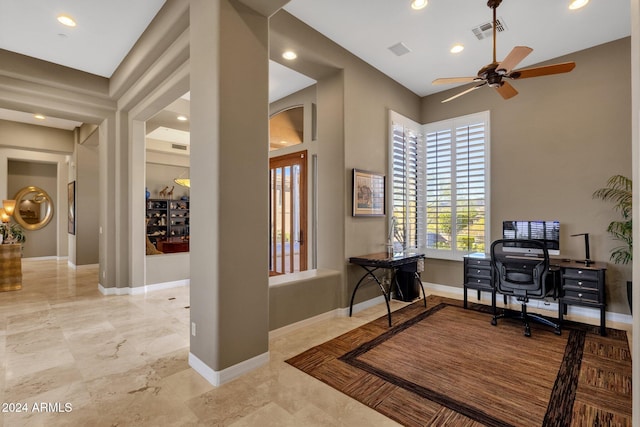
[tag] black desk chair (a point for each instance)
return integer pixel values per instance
(523, 276)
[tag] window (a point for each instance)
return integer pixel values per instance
(440, 184)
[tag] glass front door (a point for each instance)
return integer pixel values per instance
(288, 213)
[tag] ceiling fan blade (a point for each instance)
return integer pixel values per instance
(464, 92)
(506, 90)
(449, 80)
(514, 57)
(545, 70)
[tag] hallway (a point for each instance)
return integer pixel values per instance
(122, 360)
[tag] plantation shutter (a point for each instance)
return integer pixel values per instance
(404, 185)
(439, 188)
(470, 186)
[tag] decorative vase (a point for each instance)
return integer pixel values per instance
(147, 194)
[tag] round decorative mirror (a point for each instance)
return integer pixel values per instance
(34, 208)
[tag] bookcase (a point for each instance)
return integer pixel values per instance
(166, 219)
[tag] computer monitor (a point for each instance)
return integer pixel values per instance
(544, 231)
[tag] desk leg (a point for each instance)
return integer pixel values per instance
(603, 328)
(493, 302)
(424, 295)
(384, 292)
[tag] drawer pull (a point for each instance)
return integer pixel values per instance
(579, 295)
(479, 271)
(579, 271)
(579, 283)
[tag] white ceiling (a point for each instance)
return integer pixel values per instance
(367, 28)
(105, 32)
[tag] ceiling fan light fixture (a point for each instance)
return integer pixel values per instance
(419, 4)
(66, 20)
(577, 4)
(456, 48)
(185, 182)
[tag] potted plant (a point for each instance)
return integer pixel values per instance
(618, 191)
(12, 233)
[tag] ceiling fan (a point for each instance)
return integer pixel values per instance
(493, 75)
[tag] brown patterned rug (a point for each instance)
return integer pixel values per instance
(448, 366)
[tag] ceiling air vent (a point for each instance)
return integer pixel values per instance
(399, 49)
(485, 31)
(179, 147)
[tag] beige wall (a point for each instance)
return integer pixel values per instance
(552, 145)
(87, 202)
(229, 161)
(32, 137)
(352, 133)
(160, 176)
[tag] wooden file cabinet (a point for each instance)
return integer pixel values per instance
(583, 286)
(478, 276)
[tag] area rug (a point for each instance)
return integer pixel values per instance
(445, 365)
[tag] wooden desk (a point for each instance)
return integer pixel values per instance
(10, 267)
(398, 262)
(578, 284)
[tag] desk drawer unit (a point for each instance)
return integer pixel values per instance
(583, 287)
(477, 274)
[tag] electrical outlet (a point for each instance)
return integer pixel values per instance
(193, 328)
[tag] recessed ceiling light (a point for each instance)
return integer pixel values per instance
(577, 4)
(290, 55)
(66, 20)
(456, 48)
(418, 4)
(39, 116)
(182, 118)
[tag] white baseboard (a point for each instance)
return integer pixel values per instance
(217, 378)
(338, 312)
(362, 305)
(43, 258)
(140, 290)
(86, 266)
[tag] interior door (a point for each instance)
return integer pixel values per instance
(288, 213)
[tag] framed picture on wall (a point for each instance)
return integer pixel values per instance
(368, 193)
(71, 194)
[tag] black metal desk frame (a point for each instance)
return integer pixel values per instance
(373, 262)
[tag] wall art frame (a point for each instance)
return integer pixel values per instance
(368, 197)
(71, 194)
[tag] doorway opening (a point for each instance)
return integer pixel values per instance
(288, 213)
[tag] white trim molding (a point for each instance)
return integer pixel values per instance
(218, 378)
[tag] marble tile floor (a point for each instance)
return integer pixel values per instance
(73, 357)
